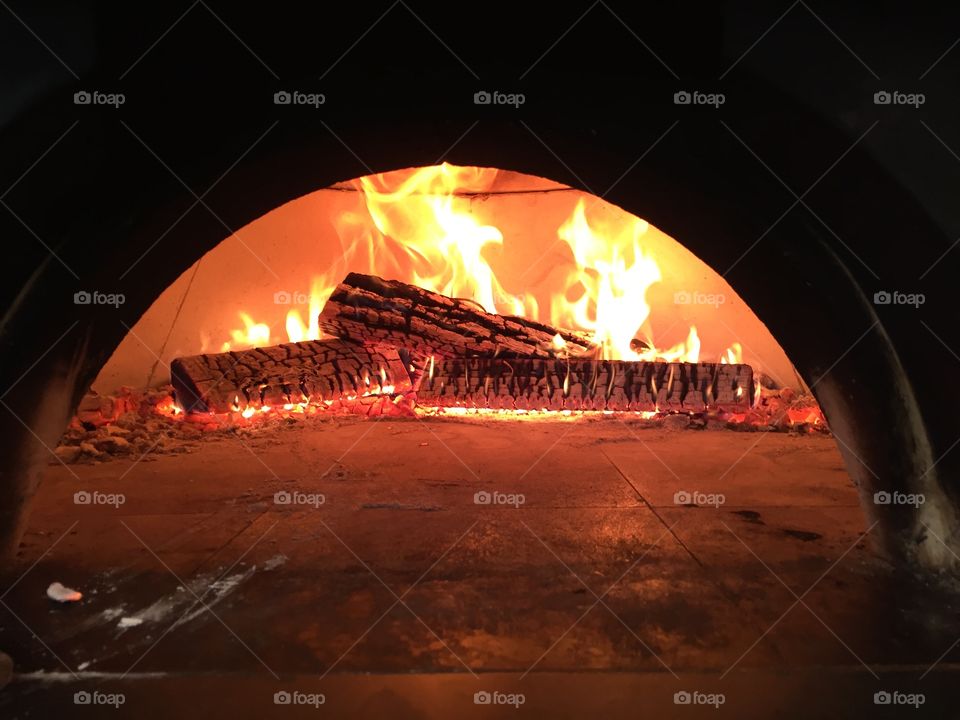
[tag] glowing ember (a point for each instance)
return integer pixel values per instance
(540, 414)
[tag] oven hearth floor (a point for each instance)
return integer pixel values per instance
(399, 573)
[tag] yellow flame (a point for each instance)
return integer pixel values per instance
(254, 334)
(419, 226)
(442, 241)
(297, 329)
(614, 273)
(686, 351)
(733, 355)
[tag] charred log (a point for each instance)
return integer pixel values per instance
(396, 338)
(371, 310)
(583, 384)
(313, 371)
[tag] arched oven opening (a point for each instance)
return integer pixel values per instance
(694, 412)
(456, 358)
(453, 291)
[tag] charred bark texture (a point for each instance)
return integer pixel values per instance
(369, 309)
(396, 337)
(313, 371)
(582, 384)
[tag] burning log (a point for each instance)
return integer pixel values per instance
(396, 338)
(371, 310)
(313, 371)
(584, 384)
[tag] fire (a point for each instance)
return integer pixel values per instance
(419, 226)
(254, 334)
(733, 354)
(686, 351)
(443, 242)
(297, 330)
(614, 275)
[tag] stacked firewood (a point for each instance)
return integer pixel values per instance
(400, 344)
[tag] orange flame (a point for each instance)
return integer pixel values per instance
(297, 330)
(419, 226)
(614, 274)
(254, 334)
(443, 242)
